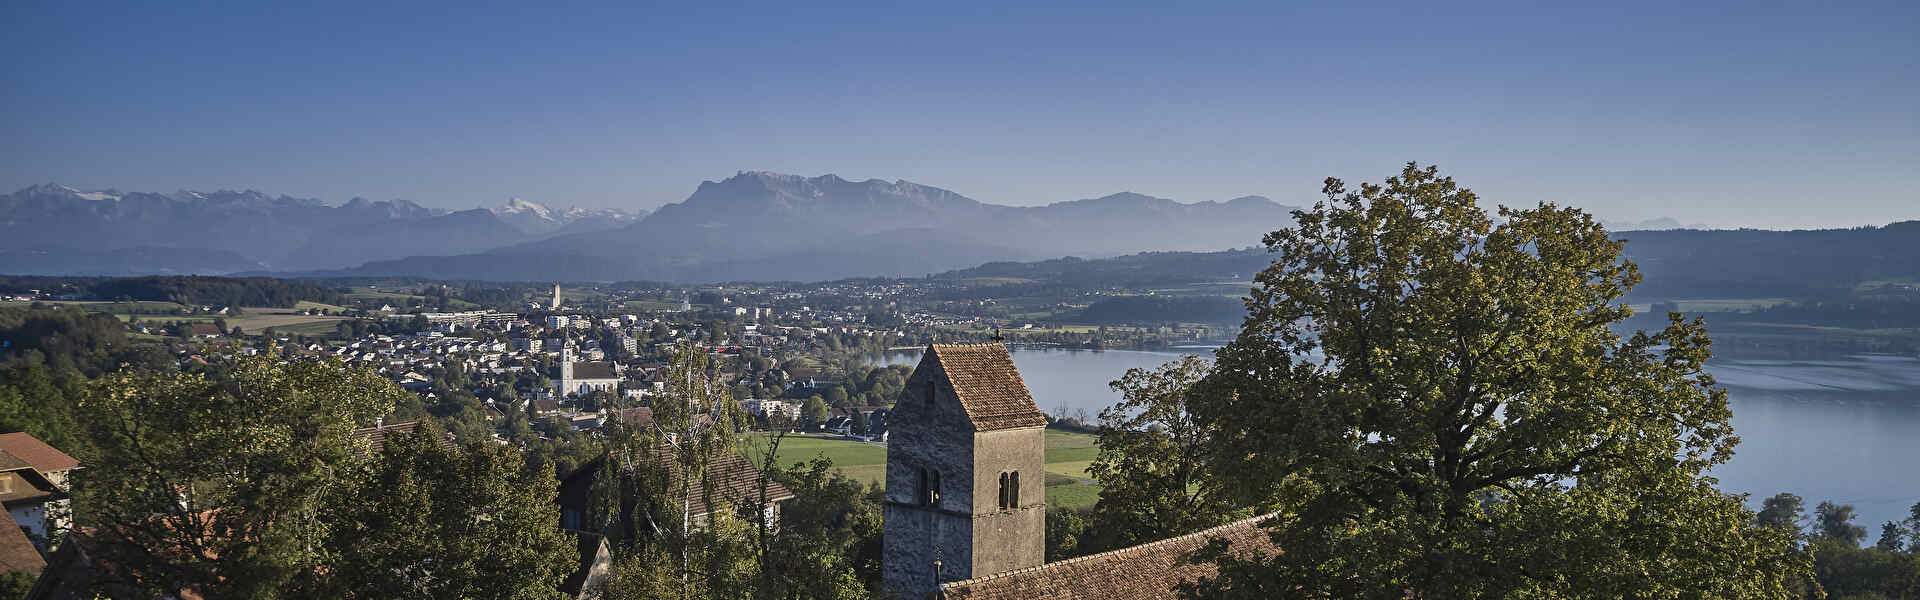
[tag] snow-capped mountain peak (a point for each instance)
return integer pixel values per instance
(517, 206)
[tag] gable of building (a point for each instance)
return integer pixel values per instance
(988, 386)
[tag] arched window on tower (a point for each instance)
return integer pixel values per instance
(1005, 479)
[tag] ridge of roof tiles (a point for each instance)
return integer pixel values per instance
(988, 385)
(1145, 572)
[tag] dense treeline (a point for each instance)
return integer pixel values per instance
(1889, 568)
(1744, 263)
(1862, 313)
(1163, 309)
(46, 357)
(1136, 270)
(1750, 263)
(217, 291)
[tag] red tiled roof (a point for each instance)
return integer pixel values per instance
(1144, 572)
(44, 458)
(989, 386)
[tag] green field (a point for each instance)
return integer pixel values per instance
(310, 328)
(305, 305)
(1068, 455)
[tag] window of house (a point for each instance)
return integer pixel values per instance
(1013, 490)
(933, 390)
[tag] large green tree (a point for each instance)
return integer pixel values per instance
(1151, 462)
(222, 487)
(256, 487)
(428, 520)
(1437, 398)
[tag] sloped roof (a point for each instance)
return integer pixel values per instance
(9, 462)
(594, 370)
(16, 551)
(46, 459)
(639, 417)
(988, 385)
(1144, 572)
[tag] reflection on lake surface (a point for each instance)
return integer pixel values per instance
(1846, 430)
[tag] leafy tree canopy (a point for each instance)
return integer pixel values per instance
(1436, 397)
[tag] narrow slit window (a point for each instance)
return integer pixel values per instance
(934, 487)
(923, 493)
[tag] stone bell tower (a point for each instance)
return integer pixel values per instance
(966, 472)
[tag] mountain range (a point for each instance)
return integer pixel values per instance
(55, 229)
(769, 226)
(755, 225)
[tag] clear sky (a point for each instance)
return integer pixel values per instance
(1792, 115)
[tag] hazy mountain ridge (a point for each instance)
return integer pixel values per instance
(68, 230)
(1675, 264)
(771, 226)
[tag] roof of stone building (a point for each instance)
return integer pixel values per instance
(1144, 572)
(46, 459)
(988, 385)
(594, 370)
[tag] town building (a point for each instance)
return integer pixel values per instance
(579, 378)
(32, 501)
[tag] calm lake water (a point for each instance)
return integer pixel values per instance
(1846, 430)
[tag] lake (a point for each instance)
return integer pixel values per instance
(1846, 430)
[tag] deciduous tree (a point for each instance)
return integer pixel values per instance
(1437, 397)
(1152, 462)
(222, 488)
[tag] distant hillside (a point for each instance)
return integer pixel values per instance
(1747, 263)
(1683, 263)
(1132, 271)
(770, 226)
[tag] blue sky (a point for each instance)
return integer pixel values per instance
(1792, 115)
